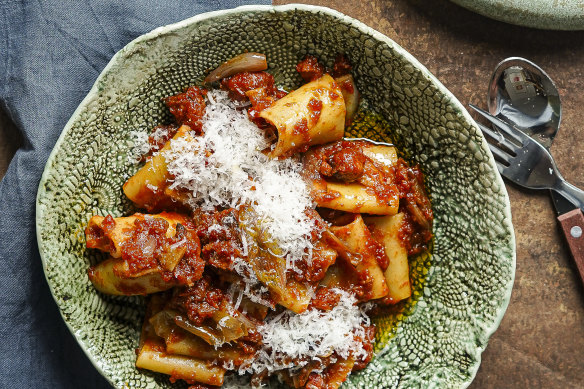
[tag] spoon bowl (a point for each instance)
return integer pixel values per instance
(521, 93)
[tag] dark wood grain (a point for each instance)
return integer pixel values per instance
(573, 226)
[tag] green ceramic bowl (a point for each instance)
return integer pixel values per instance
(461, 291)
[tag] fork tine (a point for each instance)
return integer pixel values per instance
(498, 137)
(500, 167)
(505, 127)
(500, 154)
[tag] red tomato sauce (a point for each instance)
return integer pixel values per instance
(341, 67)
(199, 301)
(315, 109)
(258, 87)
(310, 69)
(219, 236)
(325, 299)
(188, 107)
(147, 244)
(416, 231)
(97, 237)
(344, 161)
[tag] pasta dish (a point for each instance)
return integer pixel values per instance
(265, 239)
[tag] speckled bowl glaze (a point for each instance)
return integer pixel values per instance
(543, 14)
(461, 291)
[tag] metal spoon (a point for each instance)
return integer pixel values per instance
(524, 96)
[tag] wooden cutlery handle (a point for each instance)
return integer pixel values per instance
(573, 226)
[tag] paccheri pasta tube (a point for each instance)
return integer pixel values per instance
(311, 115)
(150, 253)
(148, 188)
(353, 176)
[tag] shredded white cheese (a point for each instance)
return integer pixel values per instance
(141, 143)
(251, 288)
(160, 134)
(140, 146)
(226, 167)
(293, 340)
(216, 228)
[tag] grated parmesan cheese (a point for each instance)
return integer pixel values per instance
(226, 167)
(161, 133)
(216, 228)
(293, 340)
(252, 288)
(140, 146)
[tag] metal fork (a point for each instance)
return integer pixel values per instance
(524, 161)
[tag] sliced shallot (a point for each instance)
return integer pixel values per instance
(246, 62)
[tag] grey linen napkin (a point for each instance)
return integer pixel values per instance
(51, 52)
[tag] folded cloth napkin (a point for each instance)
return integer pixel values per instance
(51, 52)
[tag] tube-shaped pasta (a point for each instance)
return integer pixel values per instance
(143, 248)
(269, 265)
(110, 234)
(383, 154)
(312, 114)
(147, 187)
(338, 372)
(152, 356)
(356, 198)
(353, 176)
(397, 274)
(358, 239)
(108, 277)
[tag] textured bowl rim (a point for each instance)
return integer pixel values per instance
(362, 27)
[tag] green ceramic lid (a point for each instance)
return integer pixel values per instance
(544, 14)
(461, 291)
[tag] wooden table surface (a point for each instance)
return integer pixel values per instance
(540, 343)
